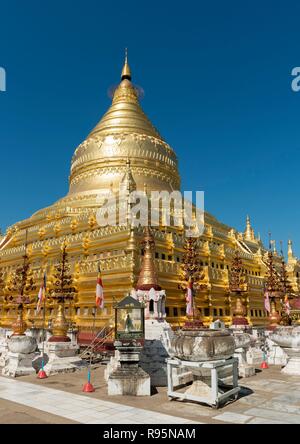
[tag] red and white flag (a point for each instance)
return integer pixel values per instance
(99, 290)
(41, 295)
(189, 299)
(287, 304)
(267, 302)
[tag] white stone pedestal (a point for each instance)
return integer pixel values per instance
(245, 370)
(135, 382)
(293, 365)
(276, 355)
(242, 341)
(254, 356)
(21, 353)
(62, 357)
(3, 350)
(18, 364)
(128, 378)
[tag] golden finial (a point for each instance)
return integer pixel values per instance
(249, 234)
(126, 73)
(290, 248)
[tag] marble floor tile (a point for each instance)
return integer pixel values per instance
(281, 407)
(274, 415)
(290, 397)
(232, 417)
(252, 400)
(258, 420)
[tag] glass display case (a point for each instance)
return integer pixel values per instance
(129, 319)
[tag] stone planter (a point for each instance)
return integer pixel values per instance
(289, 339)
(22, 344)
(203, 345)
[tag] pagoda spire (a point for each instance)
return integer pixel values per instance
(249, 232)
(148, 276)
(291, 258)
(290, 249)
(126, 72)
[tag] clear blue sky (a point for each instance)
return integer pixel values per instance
(217, 81)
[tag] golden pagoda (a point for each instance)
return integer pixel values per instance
(125, 151)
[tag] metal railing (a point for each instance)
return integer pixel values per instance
(98, 341)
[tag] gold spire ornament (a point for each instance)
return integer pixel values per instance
(126, 73)
(249, 232)
(290, 249)
(148, 276)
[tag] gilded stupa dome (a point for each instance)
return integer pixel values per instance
(124, 132)
(100, 162)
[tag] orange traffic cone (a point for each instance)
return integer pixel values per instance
(42, 374)
(264, 364)
(88, 387)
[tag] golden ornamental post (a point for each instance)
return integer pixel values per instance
(272, 290)
(22, 284)
(191, 280)
(63, 290)
(238, 286)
